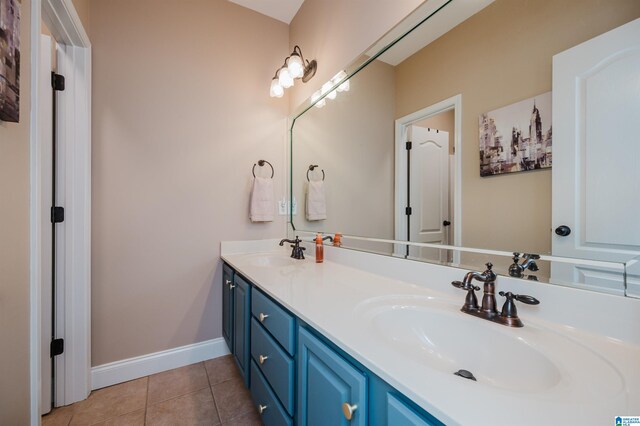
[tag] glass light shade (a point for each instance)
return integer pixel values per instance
(295, 66)
(315, 97)
(276, 90)
(284, 78)
(344, 87)
(326, 87)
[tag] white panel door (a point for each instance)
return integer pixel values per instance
(429, 190)
(45, 118)
(596, 155)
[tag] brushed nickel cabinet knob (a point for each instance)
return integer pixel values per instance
(261, 408)
(262, 359)
(262, 317)
(348, 410)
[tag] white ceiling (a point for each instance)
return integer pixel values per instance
(282, 10)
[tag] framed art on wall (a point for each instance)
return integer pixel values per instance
(516, 137)
(10, 60)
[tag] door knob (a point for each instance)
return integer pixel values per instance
(262, 359)
(261, 408)
(348, 410)
(563, 230)
(446, 223)
(262, 317)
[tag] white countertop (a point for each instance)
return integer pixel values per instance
(333, 298)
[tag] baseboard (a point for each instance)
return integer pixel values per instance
(141, 366)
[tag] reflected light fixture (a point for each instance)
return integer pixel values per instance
(294, 67)
(338, 83)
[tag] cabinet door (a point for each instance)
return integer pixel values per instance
(328, 385)
(227, 306)
(400, 414)
(241, 313)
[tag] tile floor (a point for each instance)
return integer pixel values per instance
(206, 393)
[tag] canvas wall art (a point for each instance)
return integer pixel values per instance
(517, 137)
(10, 60)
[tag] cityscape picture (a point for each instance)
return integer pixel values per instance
(10, 60)
(517, 137)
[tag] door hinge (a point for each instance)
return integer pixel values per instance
(57, 214)
(57, 347)
(408, 145)
(407, 211)
(57, 81)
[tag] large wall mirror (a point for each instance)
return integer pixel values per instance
(445, 137)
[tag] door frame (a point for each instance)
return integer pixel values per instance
(453, 103)
(73, 317)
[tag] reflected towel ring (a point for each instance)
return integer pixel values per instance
(311, 167)
(261, 163)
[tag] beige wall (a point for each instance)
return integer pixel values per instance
(181, 112)
(336, 32)
(497, 57)
(14, 247)
(82, 7)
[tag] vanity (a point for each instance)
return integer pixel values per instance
(373, 340)
(428, 180)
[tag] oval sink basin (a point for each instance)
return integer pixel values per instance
(449, 342)
(435, 334)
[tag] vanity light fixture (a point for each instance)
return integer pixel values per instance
(294, 67)
(335, 84)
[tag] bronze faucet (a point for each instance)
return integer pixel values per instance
(297, 252)
(488, 311)
(517, 269)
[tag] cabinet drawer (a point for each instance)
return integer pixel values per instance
(277, 367)
(272, 414)
(276, 320)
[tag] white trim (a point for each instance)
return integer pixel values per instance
(74, 193)
(455, 103)
(64, 23)
(34, 222)
(141, 366)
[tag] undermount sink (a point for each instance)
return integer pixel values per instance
(437, 335)
(271, 260)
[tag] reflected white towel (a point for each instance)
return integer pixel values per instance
(262, 201)
(316, 201)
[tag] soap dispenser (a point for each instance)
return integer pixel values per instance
(319, 249)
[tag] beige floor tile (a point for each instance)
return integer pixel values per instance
(232, 399)
(60, 416)
(111, 402)
(221, 369)
(195, 408)
(131, 419)
(252, 418)
(173, 383)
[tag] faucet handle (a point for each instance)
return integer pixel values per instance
(529, 300)
(460, 285)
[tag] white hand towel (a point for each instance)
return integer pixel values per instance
(316, 201)
(262, 201)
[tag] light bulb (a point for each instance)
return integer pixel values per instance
(344, 87)
(315, 97)
(295, 66)
(284, 78)
(321, 103)
(326, 87)
(276, 90)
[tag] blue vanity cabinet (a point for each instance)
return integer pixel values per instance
(331, 391)
(227, 305)
(241, 314)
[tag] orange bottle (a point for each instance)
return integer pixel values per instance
(319, 249)
(337, 239)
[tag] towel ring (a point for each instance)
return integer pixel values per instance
(311, 167)
(261, 163)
